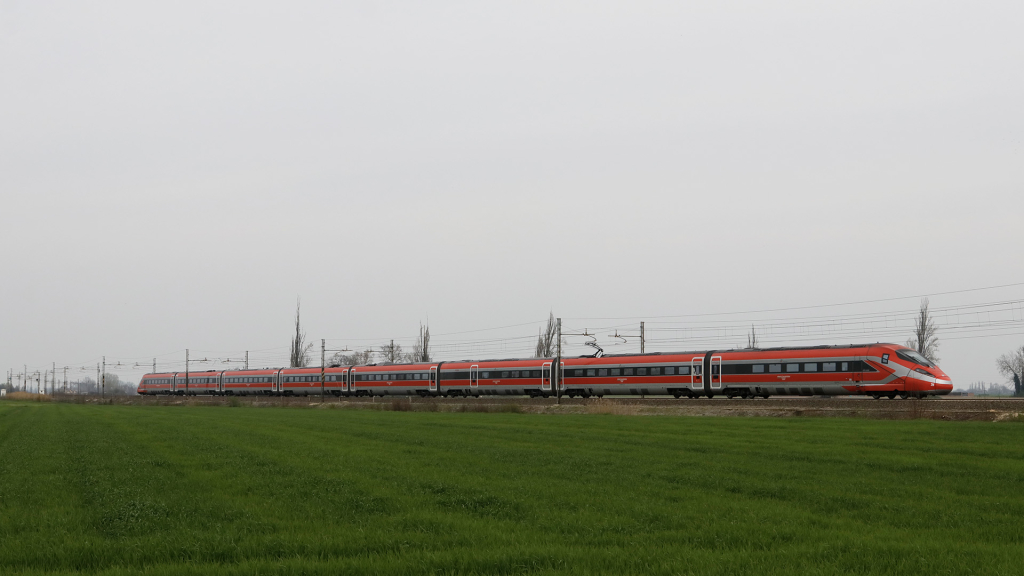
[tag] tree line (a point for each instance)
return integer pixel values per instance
(389, 353)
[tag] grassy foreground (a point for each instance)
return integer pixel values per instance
(198, 490)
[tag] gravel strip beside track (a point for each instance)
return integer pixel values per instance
(982, 409)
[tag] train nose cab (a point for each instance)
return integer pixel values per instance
(924, 377)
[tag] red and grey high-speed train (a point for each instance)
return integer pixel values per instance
(871, 369)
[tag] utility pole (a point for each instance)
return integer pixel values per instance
(37, 381)
(53, 389)
(323, 352)
(97, 377)
(558, 365)
(154, 365)
(641, 337)
(103, 385)
(246, 359)
(65, 379)
(186, 371)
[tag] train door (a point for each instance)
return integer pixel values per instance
(220, 383)
(559, 384)
(474, 376)
(545, 377)
(858, 373)
(697, 374)
(433, 379)
(716, 372)
(352, 381)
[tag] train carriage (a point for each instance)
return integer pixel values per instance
(876, 370)
(156, 383)
(530, 377)
(193, 383)
(299, 381)
(648, 374)
(394, 380)
(249, 382)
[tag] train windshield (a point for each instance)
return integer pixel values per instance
(912, 356)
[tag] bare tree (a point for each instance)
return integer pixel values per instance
(354, 359)
(1012, 366)
(299, 349)
(392, 353)
(547, 339)
(752, 338)
(421, 350)
(925, 339)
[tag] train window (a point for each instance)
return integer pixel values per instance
(504, 374)
(578, 373)
(616, 371)
(641, 371)
(758, 368)
(912, 356)
(670, 370)
(684, 370)
(591, 372)
(656, 371)
(828, 366)
(792, 367)
(811, 367)
(846, 367)
(485, 375)
(515, 373)
(627, 372)
(602, 372)
(885, 358)
(775, 367)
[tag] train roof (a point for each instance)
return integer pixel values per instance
(774, 349)
(625, 355)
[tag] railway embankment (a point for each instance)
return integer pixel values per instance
(978, 409)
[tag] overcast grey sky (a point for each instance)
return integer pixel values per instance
(173, 175)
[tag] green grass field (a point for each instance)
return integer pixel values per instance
(198, 490)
